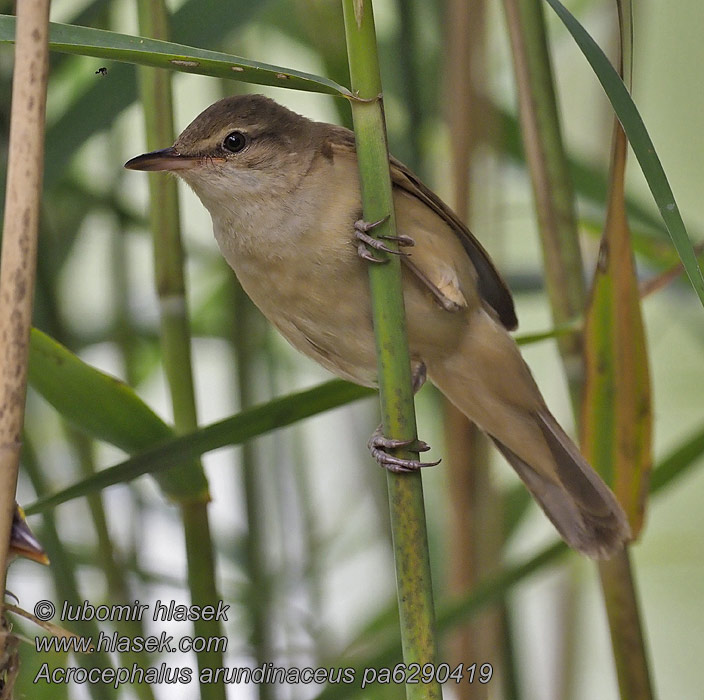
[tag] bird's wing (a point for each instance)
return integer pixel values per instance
(432, 261)
(490, 284)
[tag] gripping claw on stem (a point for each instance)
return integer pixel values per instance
(379, 446)
(361, 232)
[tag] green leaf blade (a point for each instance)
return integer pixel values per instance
(234, 430)
(105, 408)
(641, 144)
(100, 43)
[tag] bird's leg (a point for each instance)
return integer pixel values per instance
(361, 232)
(379, 444)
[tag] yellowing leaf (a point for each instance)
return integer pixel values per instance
(616, 413)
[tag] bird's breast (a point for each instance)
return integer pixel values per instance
(310, 283)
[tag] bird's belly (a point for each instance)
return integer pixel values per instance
(322, 308)
(315, 290)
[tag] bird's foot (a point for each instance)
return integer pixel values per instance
(361, 232)
(379, 446)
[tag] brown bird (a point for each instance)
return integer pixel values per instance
(284, 196)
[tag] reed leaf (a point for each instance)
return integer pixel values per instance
(641, 143)
(103, 407)
(100, 43)
(230, 431)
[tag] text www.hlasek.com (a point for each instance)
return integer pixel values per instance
(114, 642)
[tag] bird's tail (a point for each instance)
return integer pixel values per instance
(487, 379)
(578, 502)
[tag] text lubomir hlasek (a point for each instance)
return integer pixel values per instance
(161, 611)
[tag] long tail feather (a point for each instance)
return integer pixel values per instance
(579, 504)
(487, 379)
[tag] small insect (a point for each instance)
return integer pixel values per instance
(102, 70)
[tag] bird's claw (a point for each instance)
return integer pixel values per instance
(401, 239)
(366, 226)
(361, 232)
(365, 254)
(379, 445)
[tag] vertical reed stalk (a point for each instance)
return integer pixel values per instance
(555, 208)
(109, 561)
(474, 540)
(552, 184)
(18, 271)
(410, 83)
(156, 96)
(246, 330)
(19, 243)
(610, 340)
(616, 420)
(408, 526)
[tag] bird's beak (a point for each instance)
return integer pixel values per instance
(166, 159)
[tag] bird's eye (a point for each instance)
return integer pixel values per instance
(235, 142)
